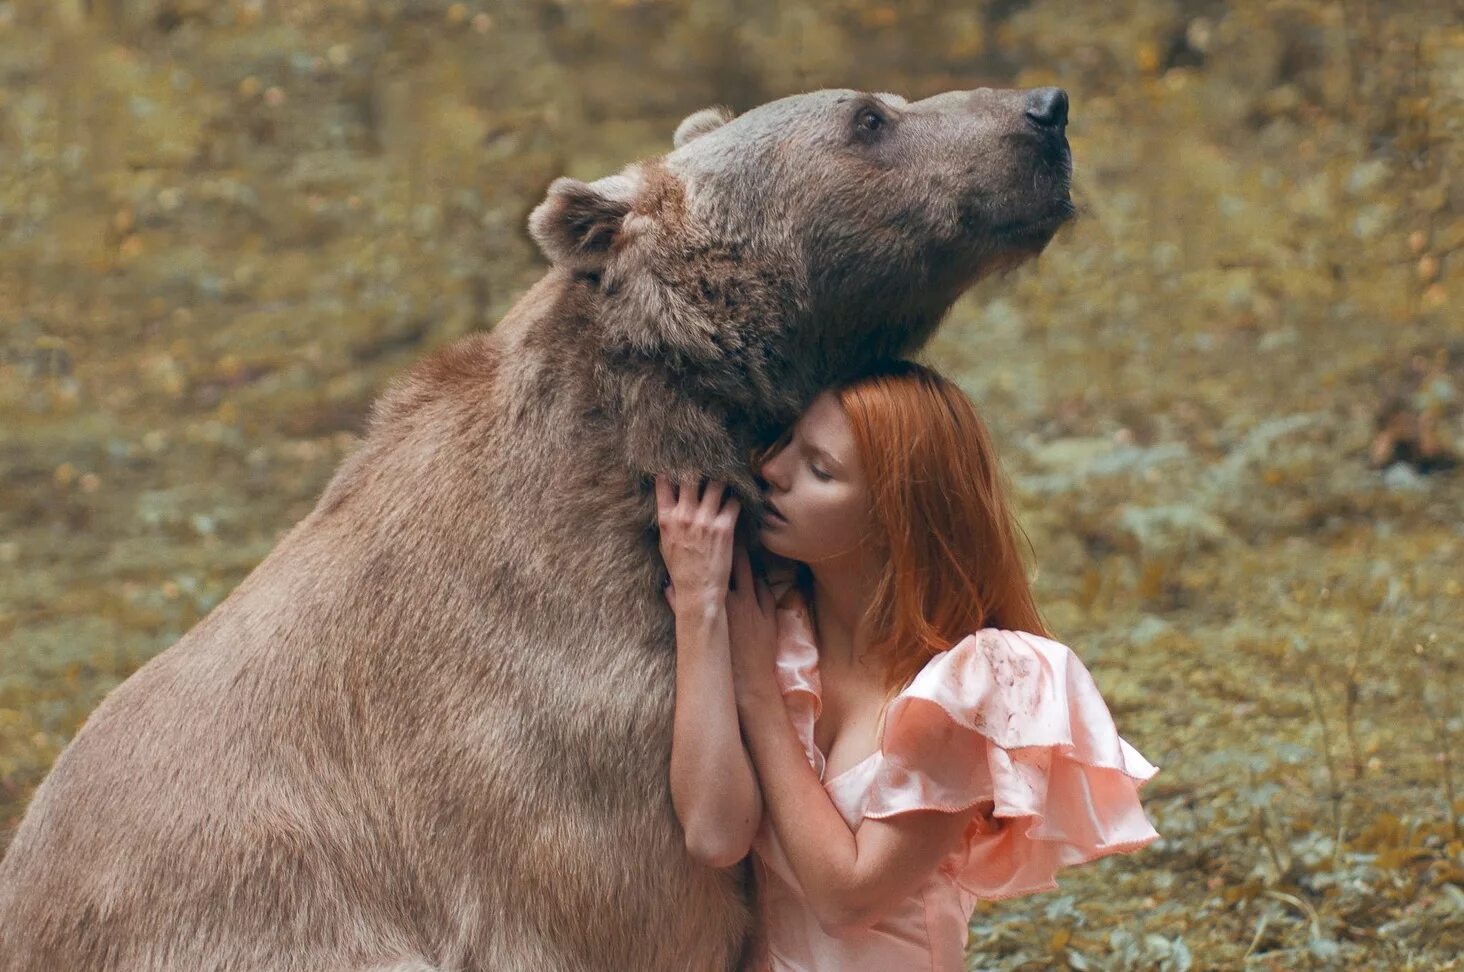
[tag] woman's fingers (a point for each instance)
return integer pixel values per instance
(730, 511)
(741, 568)
(707, 519)
(687, 499)
(688, 494)
(665, 494)
(712, 498)
(764, 596)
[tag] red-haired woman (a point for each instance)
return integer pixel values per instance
(895, 737)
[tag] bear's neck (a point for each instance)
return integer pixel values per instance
(724, 314)
(710, 329)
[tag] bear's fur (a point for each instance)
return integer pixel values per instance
(431, 730)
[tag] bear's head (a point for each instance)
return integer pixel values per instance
(811, 235)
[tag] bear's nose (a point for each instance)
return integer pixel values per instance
(1048, 107)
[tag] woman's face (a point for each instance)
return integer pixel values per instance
(817, 487)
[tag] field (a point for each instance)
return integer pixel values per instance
(1228, 396)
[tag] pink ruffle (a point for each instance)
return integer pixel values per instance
(797, 675)
(1014, 719)
(1004, 718)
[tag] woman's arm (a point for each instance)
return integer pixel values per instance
(849, 878)
(713, 789)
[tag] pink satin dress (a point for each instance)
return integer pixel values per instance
(1003, 719)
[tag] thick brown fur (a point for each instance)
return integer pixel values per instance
(431, 730)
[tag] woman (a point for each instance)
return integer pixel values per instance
(895, 738)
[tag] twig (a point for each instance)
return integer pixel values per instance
(1263, 830)
(1445, 751)
(1262, 825)
(1308, 910)
(1332, 779)
(1256, 938)
(1444, 754)
(1352, 689)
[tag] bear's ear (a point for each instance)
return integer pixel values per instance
(701, 122)
(577, 222)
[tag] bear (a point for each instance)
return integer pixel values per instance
(431, 729)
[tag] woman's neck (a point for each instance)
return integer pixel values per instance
(842, 593)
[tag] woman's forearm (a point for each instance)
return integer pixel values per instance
(713, 788)
(818, 843)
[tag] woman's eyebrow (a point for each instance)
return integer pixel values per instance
(827, 456)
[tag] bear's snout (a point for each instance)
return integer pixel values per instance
(1046, 114)
(1047, 107)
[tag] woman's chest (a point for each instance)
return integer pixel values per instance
(847, 728)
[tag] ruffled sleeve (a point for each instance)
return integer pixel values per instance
(1012, 720)
(797, 672)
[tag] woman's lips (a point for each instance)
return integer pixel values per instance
(774, 513)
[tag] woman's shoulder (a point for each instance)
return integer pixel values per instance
(1013, 719)
(1014, 689)
(1005, 655)
(998, 640)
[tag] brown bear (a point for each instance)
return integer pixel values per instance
(431, 730)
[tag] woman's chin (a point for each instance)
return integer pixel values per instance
(769, 535)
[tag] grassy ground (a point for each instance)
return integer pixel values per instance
(223, 226)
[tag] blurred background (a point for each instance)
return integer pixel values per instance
(1228, 396)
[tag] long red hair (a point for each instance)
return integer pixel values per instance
(939, 508)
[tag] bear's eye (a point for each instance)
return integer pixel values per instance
(868, 120)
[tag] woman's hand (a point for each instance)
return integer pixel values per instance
(713, 788)
(752, 629)
(696, 541)
(778, 572)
